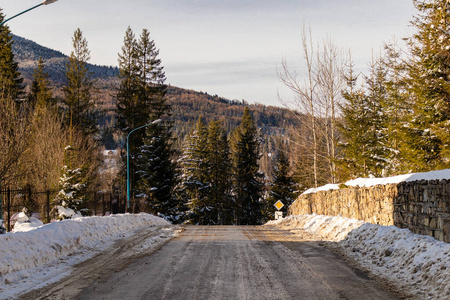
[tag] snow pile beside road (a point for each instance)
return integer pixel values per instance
(21, 253)
(418, 264)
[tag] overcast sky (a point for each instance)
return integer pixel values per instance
(231, 48)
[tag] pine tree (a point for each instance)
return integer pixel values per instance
(79, 90)
(248, 187)
(10, 80)
(283, 186)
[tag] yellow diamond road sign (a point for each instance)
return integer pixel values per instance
(279, 205)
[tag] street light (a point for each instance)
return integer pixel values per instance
(128, 158)
(45, 2)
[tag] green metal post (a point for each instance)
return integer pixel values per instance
(128, 159)
(45, 2)
(21, 13)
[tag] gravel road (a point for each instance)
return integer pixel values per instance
(218, 262)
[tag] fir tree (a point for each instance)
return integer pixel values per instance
(78, 93)
(248, 187)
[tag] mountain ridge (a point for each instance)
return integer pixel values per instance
(187, 105)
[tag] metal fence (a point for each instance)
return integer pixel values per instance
(39, 204)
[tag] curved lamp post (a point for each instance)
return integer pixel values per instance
(45, 2)
(128, 158)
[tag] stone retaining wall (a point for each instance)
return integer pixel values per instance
(422, 206)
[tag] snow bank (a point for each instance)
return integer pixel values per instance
(417, 264)
(30, 224)
(20, 252)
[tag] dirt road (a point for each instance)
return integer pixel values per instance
(218, 262)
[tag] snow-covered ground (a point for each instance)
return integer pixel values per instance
(47, 253)
(417, 264)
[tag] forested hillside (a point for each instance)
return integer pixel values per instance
(187, 105)
(27, 53)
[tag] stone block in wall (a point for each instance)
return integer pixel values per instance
(433, 223)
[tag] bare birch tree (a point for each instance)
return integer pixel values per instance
(316, 100)
(304, 101)
(330, 82)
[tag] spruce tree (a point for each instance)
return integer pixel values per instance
(79, 90)
(151, 77)
(151, 150)
(428, 123)
(361, 127)
(248, 185)
(156, 171)
(282, 187)
(194, 173)
(41, 94)
(219, 166)
(394, 109)
(10, 80)
(131, 110)
(376, 96)
(72, 184)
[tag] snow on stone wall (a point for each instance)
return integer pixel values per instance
(423, 205)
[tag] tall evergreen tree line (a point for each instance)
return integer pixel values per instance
(66, 128)
(397, 121)
(221, 176)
